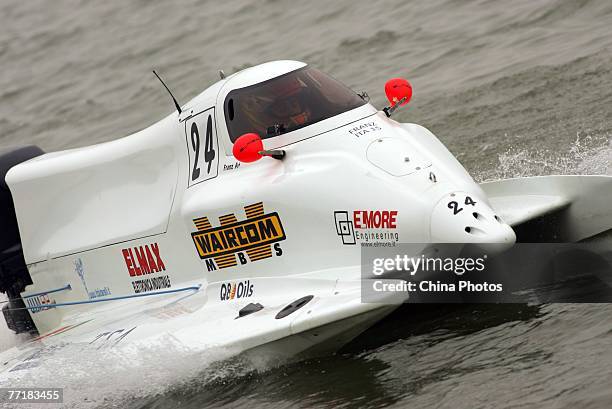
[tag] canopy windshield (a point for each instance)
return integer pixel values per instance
(286, 103)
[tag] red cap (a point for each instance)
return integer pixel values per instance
(247, 147)
(396, 89)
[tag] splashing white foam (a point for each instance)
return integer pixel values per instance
(113, 377)
(589, 154)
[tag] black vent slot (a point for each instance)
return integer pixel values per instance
(294, 306)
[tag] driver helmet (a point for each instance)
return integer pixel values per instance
(288, 102)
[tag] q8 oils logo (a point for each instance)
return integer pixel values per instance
(231, 291)
(234, 241)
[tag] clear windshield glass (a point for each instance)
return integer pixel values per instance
(286, 103)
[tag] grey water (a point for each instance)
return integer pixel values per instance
(515, 88)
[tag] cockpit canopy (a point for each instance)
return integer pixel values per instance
(286, 103)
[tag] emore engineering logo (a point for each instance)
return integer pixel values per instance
(367, 227)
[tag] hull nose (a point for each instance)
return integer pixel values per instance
(461, 218)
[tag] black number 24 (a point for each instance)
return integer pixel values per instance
(209, 148)
(455, 206)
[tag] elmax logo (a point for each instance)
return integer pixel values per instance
(376, 223)
(143, 260)
(255, 236)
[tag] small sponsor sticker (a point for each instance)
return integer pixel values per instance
(364, 128)
(38, 303)
(79, 268)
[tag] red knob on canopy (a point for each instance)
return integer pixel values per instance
(247, 147)
(396, 89)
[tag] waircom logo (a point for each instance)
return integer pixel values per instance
(255, 236)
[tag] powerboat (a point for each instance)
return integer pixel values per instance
(238, 220)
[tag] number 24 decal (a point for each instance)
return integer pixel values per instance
(455, 206)
(209, 150)
(202, 144)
